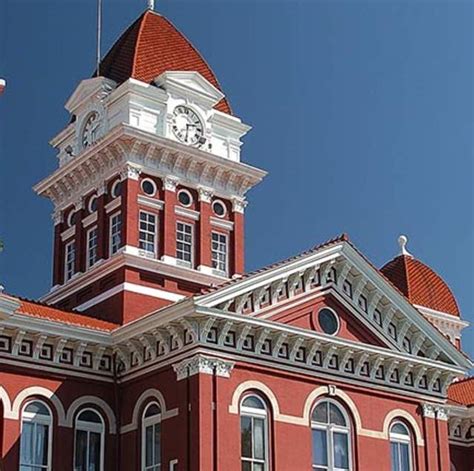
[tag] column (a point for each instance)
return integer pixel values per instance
(102, 239)
(80, 262)
(430, 448)
(168, 225)
(204, 258)
(238, 237)
(443, 438)
(129, 206)
(58, 252)
(202, 374)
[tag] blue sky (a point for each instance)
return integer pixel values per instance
(362, 112)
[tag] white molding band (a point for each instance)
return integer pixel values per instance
(150, 202)
(200, 364)
(114, 204)
(132, 288)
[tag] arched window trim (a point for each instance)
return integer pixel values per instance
(331, 428)
(258, 413)
(150, 422)
(84, 426)
(403, 439)
(37, 419)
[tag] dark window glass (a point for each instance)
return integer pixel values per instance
(246, 432)
(184, 198)
(148, 187)
(117, 190)
(219, 208)
(328, 321)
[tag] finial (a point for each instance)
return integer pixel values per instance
(151, 4)
(402, 242)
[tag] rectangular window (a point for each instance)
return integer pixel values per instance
(92, 246)
(147, 233)
(115, 233)
(219, 252)
(69, 260)
(184, 243)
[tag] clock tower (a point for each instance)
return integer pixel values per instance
(149, 194)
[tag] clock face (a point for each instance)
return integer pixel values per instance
(187, 126)
(90, 132)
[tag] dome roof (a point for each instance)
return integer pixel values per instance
(150, 46)
(420, 284)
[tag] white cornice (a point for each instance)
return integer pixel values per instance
(106, 158)
(443, 316)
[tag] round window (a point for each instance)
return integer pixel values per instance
(93, 204)
(185, 198)
(219, 208)
(71, 218)
(328, 321)
(116, 189)
(149, 187)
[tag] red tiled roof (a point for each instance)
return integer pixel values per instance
(420, 284)
(35, 309)
(150, 46)
(462, 392)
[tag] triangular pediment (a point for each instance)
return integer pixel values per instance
(338, 270)
(97, 87)
(190, 85)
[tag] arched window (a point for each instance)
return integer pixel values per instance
(400, 447)
(331, 437)
(151, 438)
(89, 443)
(254, 434)
(36, 437)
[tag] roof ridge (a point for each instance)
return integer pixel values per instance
(143, 18)
(200, 55)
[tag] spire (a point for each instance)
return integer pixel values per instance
(402, 242)
(151, 4)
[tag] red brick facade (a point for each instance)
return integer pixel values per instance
(145, 352)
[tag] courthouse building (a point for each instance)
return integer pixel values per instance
(154, 350)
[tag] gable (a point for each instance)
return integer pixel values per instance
(338, 267)
(306, 316)
(98, 87)
(192, 85)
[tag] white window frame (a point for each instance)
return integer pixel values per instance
(400, 439)
(111, 234)
(181, 261)
(330, 429)
(148, 253)
(89, 261)
(223, 205)
(155, 189)
(68, 274)
(151, 422)
(41, 420)
(191, 200)
(252, 412)
(89, 427)
(217, 269)
(114, 187)
(93, 198)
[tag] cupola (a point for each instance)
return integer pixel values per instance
(426, 290)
